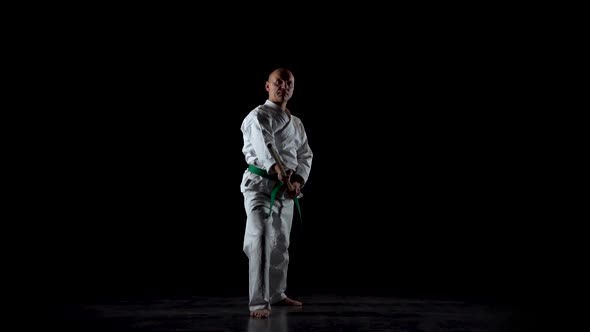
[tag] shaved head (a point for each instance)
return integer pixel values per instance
(280, 72)
(280, 86)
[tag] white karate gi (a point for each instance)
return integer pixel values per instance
(266, 238)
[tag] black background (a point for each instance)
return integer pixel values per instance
(425, 179)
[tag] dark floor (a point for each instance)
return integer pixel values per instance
(319, 313)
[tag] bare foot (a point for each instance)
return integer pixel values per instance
(287, 302)
(260, 313)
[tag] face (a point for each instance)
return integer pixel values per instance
(280, 86)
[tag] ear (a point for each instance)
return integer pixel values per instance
(267, 86)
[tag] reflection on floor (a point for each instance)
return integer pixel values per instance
(319, 313)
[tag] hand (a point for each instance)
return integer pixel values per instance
(296, 189)
(282, 178)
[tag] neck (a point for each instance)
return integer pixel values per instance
(282, 105)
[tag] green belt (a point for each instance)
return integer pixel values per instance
(275, 190)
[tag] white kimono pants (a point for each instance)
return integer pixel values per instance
(266, 243)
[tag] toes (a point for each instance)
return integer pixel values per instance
(260, 313)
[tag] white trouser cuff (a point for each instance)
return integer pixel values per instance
(277, 298)
(259, 306)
